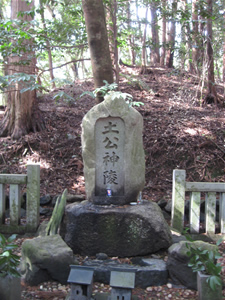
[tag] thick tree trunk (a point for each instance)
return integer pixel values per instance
(224, 54)
(50, 63)
(98, 42)
(163, 49)
(155, 35)
(113, 15)
(171, 32)
(211, 81)
(22, 114)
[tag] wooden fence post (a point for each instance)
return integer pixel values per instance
(195, 212)
(222, 213)
(15, 204)
(210, 212)
(178, 199)
(33, 197)
(2, 204)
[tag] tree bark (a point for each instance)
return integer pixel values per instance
(131, 36)
(50, 63)
(98, 42)
(143, 53)
(22, 114)
(195, 37)
(224, 54)
(212, 95)
(113, 15)
(171, 32)
(155, 35)
(163, 49)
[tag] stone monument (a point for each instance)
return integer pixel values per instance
(114, 171)
(113, 155)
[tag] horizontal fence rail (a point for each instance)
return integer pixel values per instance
(212, 191)
(15, 181)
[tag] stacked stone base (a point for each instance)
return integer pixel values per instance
(122, 231)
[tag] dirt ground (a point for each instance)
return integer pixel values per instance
(179, 133)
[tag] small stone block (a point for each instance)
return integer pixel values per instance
(123, 278)
(81, 275)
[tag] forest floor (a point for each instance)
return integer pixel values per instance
(179, 133)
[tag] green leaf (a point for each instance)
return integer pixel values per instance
(214, 281)
(87, 93)
(219, 242)
(12, 238)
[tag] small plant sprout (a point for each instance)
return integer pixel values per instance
(205, 261)
(9, 261)
(110, 89)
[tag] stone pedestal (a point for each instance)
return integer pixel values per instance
(121, 231)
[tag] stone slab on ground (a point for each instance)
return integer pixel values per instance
(152, 272)
(121, 231)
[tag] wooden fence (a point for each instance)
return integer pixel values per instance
(15, 181)
(212, 191)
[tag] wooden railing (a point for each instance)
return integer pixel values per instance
(212, 191)
(15, 181)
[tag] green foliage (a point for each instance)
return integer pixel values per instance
(27, 82)
(64, 96)
(9, 262)
(111, 89)
(205, 261)
(101, 91)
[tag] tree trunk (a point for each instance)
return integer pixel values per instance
(155, 35)
(50, 63)
(195, 37)
(98, 42)
(224, 54)
(212, 95)
(143, 53)
(131, 36)
(113, 12)
(171, 32)
(163, 50)
(22, 114)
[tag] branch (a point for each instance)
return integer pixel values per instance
(69, 62)
(67, 47)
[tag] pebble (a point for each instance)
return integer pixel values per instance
(169, 285)
(149, 289)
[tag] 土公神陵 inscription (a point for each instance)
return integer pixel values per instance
(109, 152)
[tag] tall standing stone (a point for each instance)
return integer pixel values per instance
(113, 155)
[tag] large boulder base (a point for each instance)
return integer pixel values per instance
(115, 230)
(46, 258)
(177, 263)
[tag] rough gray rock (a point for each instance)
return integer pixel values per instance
(117, 231)
(151, 272)
(177, 263)
(46, 258)
(45, 200)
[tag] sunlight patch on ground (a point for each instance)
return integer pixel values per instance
(198, 131)
(37, 160)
